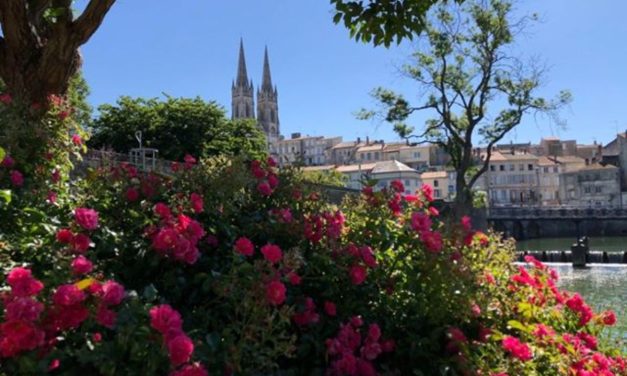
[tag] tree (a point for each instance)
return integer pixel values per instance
(472, 84)
(39, 45)
(175, 126)
(383, 21)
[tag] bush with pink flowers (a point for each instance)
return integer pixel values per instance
(238, 268)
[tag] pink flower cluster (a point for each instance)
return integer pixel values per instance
(421, 223)
(577, 304)
(516, 348)
(327, 223)
(308, 315)
(15, 176)
(177, 237)
(267, 178)
(351, 353)
(24, 331)
(362, 258)
(180, 347)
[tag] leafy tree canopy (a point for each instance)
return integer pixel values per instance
(175, 126)
(383, 21)
(471, 84)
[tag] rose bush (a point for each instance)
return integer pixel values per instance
(236, 267)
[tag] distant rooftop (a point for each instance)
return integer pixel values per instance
(391, 166)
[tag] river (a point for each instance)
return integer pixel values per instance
(607, 244)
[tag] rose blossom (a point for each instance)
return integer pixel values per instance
(275, 292)
(22, 282)
(81, 265)
(86, 218)
(272, 253)
(357, 274)
(244, 246)
(112, 293)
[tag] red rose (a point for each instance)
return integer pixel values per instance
(329, 308)
(17, 179)
(197, 203)
(162, 210)
(180, 349)
(67, 295)
(275, 293)
(244, 246)
(132, 194)
(112, 293)
(272, 253)
(81, 265)
(264, 188)
(165, 319)
(65, 236)
(27, 309)
(81, 243)
(86, 218)
(357, 274)
(22, 282)
(609, 318)
(106, 317)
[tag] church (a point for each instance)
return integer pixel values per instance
(243, 101)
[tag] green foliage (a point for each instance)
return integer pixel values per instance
(383, 21)
(77, 94)
(175, 126)
(327, 177)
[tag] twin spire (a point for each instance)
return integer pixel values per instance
(242, 74)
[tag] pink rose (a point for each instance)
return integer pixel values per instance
(81, 265)
(357, 274)
(244, 246)
(272, 253)
(86, 218)
(275, 293)
(112, 293)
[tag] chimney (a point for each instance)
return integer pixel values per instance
(358, 140)
(367, 140)
(295, 135)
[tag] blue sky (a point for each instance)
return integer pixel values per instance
(323, 77)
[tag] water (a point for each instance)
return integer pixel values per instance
(608, 244)
(603, 287)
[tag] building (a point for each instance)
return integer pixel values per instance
(355, 174)
(306, 150)
(443, 183)
(591, 186)
(549, 170)
(615, 153)
(242, 101)
(387, 171)
(512, 179)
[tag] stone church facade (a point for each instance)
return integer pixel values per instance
(243, 101)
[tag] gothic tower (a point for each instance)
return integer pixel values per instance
(267, 106)
(242, 101)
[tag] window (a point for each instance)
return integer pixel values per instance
(546, 170)
(416, 154)
(369, 156)
(451, 189)
(492, 168)
(555, 169)
(435, 183)
(598, 189)
(521, 167)
(376, 155)
(437, 193)
(501, 167)
(530, 167)
(407, 183)
(586, 189)
(512, 167)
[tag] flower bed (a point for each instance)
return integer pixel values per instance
(234, 267)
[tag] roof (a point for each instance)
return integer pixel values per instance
(318, 168)
(373, 147)
(433, 175)
(391, 166)
(567, 159)
(593, 167)
(499, 156)
(365, 167)
(342, 145)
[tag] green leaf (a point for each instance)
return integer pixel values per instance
(514, 324)
(5, 194)
(2, 154)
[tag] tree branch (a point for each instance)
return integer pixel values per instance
(85, 25)
(15, 26)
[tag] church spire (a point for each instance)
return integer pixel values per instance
(266, 84)
(242, 75)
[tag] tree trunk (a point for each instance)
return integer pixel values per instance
(463, 196)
